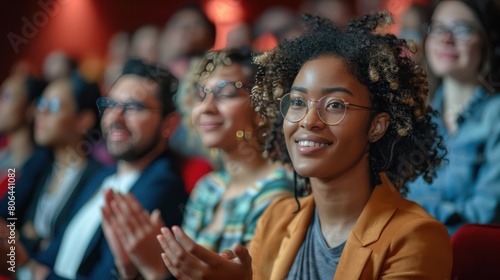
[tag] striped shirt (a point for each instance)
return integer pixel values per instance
(241, 213)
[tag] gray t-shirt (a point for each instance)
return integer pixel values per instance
(314, 259)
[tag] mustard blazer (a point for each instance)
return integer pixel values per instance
(393, 239)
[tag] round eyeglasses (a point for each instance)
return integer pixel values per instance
(224, 90)
(331, 109)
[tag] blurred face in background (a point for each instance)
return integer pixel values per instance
(223, 108)
(56, 116)
(187, 32)
(15, 110)
(145, 43)
(454, 45)
(56, 66)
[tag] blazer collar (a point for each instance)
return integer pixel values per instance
(149, 174)
(379, 209)
(296, 232)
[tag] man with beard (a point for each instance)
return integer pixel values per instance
(138, 116)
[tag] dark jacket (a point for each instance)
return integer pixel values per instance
(25, 184)
(90, 170)
(158, 187)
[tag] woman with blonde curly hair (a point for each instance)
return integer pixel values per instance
(355, 113)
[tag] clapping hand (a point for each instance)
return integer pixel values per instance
(187, 260)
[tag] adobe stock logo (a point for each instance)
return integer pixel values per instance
(49, 9)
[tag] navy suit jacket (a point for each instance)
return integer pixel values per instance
(29, 175)
(158, 187)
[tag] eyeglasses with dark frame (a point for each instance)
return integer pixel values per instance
(331, 109)
(461, 31)
(224, 90)
(106, 105)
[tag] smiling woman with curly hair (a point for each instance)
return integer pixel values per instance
(355, 123)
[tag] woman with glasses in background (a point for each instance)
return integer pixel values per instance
(462, 51)
(354, 108)
(225, 205)
(65, 114)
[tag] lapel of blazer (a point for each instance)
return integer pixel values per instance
(296, 232)
(90, 170)
(93, 244)
(378, 211)
(144, 180)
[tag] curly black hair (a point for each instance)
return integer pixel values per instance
(411, 147)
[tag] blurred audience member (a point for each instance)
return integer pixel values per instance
(65, 113)
(19, 157)
(188, 33)
(281, 22)
(370, 6)
(138, 116)
(118, 50)
(338, 11)
(463, 35)
(240, 37)
(57, 65)
(144, 44)
(187, 36)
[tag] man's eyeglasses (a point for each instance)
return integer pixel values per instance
(51, 105)
(331, 109)
(461, 32)
(106, 105)
(223, 90)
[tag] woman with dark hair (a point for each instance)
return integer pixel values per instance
(65, 114)
(355, 112)
(462, 51)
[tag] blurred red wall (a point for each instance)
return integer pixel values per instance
(30, 29)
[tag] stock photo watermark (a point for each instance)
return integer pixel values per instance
(30, 28)
(10, 223)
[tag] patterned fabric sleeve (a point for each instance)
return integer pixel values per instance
(266, 195)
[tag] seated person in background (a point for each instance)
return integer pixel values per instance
(354, 102)
(460, 50)
(138, 116)
(188, 33)
(225, 206)
(65, 112)
(57, 65)
(19, 158)
(21, 162)
(186, 37)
